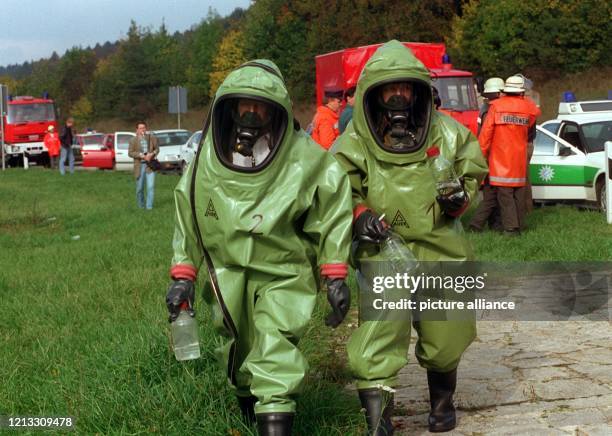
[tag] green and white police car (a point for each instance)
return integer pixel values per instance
(568, 162)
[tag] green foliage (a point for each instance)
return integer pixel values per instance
(107, 87)
(130, 79)
(44, 78)
(200, 51)
(273, 30)
(503, 37)
(10, 82)
(82, 111)
(75, 73)
(293, 33)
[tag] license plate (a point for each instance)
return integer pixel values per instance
(33, 137)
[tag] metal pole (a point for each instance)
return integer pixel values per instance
(608, 181)
(178, 105)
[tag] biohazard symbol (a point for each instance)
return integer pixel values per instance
(399, 220)
(210, 210)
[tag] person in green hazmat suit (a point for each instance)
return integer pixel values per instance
(384, 152)
(264, 207)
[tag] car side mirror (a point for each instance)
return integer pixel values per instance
(565, 151)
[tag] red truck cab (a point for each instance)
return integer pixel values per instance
(26, 124)
(342, 68)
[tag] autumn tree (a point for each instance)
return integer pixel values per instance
(230, 54)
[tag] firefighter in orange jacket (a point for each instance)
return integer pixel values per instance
(503, 140)
(325, 123)
(52, 143)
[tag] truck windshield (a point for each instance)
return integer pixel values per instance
(456, 93)
(23, 113)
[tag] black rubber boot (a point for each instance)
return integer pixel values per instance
(378, 404)
(274, 424)
(441, 389)
(247, 407)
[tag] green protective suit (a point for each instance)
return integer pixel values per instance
(265, 234)
(401, 186)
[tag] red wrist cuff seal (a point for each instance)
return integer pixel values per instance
(184, 271)
(334, 270)
(359, 209)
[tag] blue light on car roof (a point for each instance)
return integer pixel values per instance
(446, 59)
(610, 94)
(569, 97)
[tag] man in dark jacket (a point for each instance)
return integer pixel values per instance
(347, 114)
(66, 139)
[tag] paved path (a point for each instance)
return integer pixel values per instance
(535, 378)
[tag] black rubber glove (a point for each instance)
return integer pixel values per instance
(369, 228)
(339, 297)
(454, 203)
(180, 292)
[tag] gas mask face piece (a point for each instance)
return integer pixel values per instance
(247, 131)
(249, 128)
(398, 114)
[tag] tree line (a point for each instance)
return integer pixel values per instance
(130, 78)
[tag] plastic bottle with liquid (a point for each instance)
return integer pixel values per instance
(185, 339)
(395, 251)
(443, 172)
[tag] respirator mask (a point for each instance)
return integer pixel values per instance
(249, 128)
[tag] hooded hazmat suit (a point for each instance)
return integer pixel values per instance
(401, 186)
(263, 233)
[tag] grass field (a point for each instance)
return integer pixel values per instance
(83, 323)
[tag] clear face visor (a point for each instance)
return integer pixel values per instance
(247, 131)
(398, 114)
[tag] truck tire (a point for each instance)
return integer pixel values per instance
(600, 191)
(14, 161)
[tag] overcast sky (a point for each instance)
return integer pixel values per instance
(32, 29)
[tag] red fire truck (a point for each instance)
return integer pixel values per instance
(25, 126)
(341, 69)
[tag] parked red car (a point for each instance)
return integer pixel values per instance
(111, 153)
